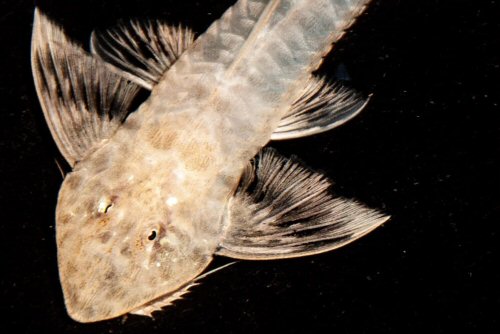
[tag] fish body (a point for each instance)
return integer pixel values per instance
(156, 193)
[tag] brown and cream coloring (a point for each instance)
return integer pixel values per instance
(156, 192)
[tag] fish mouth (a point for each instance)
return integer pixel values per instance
(158, 303)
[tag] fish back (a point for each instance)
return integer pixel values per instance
(269, 44)
(252, 64)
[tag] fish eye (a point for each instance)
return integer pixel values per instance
(104, 206)
(152, 235)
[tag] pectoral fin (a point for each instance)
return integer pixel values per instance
(83, 101)
(144, 50)
(283, 210)
(322, 107)
(168, 299)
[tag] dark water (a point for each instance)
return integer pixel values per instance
(426, 150)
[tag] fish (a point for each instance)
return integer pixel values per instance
(157, 191)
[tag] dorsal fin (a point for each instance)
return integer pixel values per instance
(144, 50)
(322, 107)
(282, 210)
(83, 101)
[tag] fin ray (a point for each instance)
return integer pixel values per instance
(82, 100)
(159, 303)
(322, 107)
(143, 50)
(284, 210)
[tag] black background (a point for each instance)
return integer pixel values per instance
(426, 150)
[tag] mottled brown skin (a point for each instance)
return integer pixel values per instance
(140, 217)
(136, 222)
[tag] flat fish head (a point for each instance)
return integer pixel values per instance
(121, 244)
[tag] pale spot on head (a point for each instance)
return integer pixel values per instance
(180, 174)
(171, 201)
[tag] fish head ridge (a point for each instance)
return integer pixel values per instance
(123, 240)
